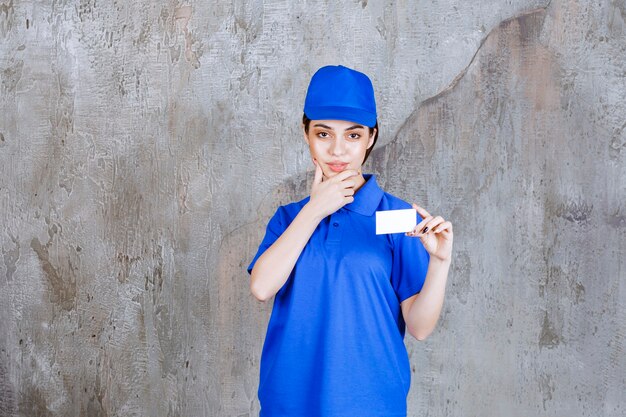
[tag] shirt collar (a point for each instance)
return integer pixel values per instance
(367, 198)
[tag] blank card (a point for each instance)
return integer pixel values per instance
(395, 221)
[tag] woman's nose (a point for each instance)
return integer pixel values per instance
(339, 147)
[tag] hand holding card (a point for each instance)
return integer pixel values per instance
(435, 234)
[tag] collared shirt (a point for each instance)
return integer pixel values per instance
(334, 343)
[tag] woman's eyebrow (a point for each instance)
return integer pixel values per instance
(328, 127)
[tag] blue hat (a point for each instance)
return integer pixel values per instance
(341, 93)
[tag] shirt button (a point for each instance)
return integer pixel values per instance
(336, 224)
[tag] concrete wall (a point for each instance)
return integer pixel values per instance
(144, 146)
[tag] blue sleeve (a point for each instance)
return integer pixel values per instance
(409, 267)
(275, 227)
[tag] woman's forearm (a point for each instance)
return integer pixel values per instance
(273, 267)
(426, 308)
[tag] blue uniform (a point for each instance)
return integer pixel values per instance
(334, 343)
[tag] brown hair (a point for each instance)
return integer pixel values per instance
(306, 121)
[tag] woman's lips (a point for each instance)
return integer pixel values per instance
(337, 167)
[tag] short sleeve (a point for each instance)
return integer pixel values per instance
(275, 227)
(409, 267)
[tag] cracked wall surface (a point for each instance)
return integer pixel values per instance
(143, 147)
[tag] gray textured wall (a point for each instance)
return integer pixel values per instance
(144, 146)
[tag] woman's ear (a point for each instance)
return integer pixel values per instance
(371, 141)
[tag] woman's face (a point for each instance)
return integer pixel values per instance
(338, 145)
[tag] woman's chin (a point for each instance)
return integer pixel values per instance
(329, 173)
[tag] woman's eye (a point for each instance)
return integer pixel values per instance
(354, 136)
(322, 135)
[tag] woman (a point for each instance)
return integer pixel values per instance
(343, 295)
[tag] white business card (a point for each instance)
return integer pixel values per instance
(395, 221)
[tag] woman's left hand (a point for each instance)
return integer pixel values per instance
(435, 234)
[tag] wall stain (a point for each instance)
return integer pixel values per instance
(11, 256)
(617, 18)
(7, 12)
(63, 119)
(535, 16)
(183, 14)
(63, 289)
(530, 26)
(86, 9)
(154, 281)
(557, 283)
(100, 387)
(33, 403)
(164, 319)
(549, 337)
(460, 282)
(546, 386)
(248, 24)
(125, 262)
(11, 76)
(617, 143)
(574, 211)
(143, 37)
(617, 218)
(8, 403)
(94, 408)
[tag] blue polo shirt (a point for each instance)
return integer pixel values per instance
(334, 343)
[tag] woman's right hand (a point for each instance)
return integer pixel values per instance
(329, 196)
